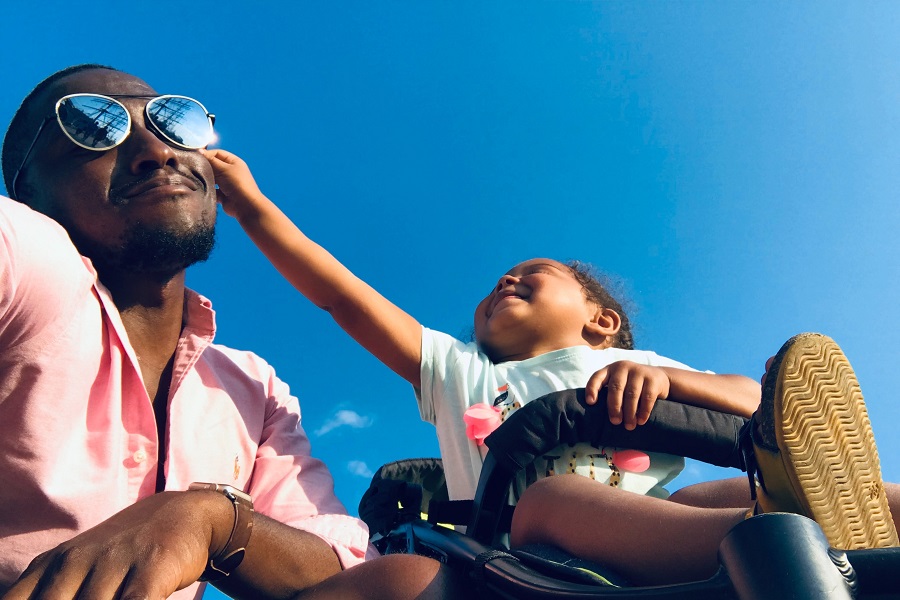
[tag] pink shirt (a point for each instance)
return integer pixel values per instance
(78, 439)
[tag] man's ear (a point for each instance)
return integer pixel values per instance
(604, 323)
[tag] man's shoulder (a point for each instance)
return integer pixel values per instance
(40, 267)
(12, 209)
(242, 365)
(35, 237)
(15, 216)
(201, 321)
(244, 359)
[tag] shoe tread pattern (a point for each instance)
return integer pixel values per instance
(824, 429)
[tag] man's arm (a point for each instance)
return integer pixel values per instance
(389, 333)
(162, 544)
(280, 560)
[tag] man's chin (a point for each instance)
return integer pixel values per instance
(153, 250)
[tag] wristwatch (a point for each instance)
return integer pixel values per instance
(230, 556)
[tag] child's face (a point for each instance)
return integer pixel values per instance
(536, 307)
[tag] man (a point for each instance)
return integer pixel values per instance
(111, 389)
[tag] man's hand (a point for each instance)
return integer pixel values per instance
(632, 391)
(149, 550)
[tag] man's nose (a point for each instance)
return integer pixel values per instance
(145, 150)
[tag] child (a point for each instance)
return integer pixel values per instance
(545, 326)
(815, 455)
(556, 319)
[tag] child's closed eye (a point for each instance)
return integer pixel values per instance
(537, 269)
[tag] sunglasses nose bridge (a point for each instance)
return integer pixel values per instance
(147, 141)
(145, 148)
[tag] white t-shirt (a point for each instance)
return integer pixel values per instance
(456, 375)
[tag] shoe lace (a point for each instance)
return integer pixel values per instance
(748, 457)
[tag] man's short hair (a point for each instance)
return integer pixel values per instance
(20, 133)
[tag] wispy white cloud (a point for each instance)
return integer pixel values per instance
(344, 418)
(358, 467)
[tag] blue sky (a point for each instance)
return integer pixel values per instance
(735, 165)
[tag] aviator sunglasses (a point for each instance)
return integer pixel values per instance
(97, 122)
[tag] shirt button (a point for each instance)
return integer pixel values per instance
(139, 456)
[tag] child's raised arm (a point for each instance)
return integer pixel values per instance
(390, 334)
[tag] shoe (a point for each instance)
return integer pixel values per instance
(813, 446)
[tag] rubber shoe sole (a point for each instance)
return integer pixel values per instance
(815, 446)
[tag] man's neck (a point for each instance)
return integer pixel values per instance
(152, 312)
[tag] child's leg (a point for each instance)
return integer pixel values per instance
(393, 577)
(648, 540)
(721, 493)
(733, 492)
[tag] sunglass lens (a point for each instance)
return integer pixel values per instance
(93, 121)
(182, 120)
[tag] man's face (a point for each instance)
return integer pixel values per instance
(144, 206)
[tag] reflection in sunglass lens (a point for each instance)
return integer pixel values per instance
(182, 120)
(94, 122)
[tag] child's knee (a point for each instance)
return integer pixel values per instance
(532, 519)
(537, 496)
(408, 565)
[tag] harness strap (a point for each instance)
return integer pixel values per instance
(484, 558)
(460, 512)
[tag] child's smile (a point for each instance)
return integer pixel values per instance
(505, 296)
(537, 306)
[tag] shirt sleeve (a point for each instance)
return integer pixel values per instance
(444, 359)
(40, 273)
(291, 486)
(656, 360)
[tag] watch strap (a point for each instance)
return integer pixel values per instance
(226, 560)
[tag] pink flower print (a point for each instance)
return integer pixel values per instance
(481, 420)
(633, 461)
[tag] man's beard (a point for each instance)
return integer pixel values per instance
(152, 250)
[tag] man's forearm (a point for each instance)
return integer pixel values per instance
(280, 561)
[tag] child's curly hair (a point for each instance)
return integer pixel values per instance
(596, 292)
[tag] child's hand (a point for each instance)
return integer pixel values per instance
(632, 391)
(237, 190)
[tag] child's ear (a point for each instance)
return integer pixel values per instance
(605, 323)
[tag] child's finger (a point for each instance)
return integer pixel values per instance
(218, 153)
(593, 386)
(615, 390)
(221, 159)
(648, 401)
(213, 156)
(631, 396)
